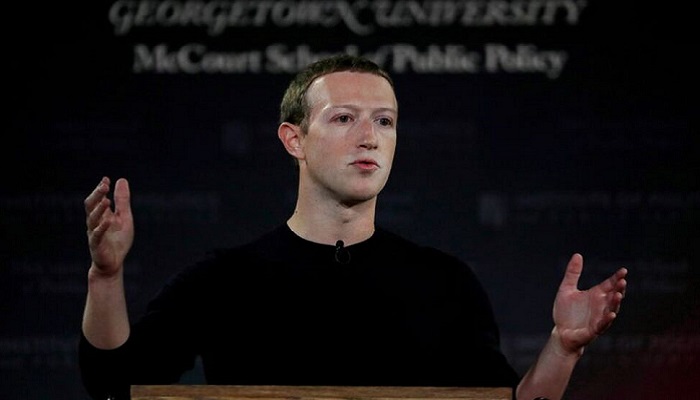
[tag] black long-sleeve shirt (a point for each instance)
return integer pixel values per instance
(285, 311)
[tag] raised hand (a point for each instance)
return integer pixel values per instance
(110, 231)
(580, 316)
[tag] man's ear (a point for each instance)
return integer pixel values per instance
(291, 137)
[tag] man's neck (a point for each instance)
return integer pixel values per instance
(349, 224)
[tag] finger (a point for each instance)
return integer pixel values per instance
(605, 323)
(610, 313)
(100, 218)
(97, 195)
(621, 284)
(97, 216)
(613, 302)
(122, 197)
(95, 235)
(617, 302)
(616, 282)
(573, 272)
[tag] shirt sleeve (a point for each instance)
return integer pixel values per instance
(161, 346)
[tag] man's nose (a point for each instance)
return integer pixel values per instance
(367, 134)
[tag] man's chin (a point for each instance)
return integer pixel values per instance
(360, 197)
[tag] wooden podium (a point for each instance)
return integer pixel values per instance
(226, 392)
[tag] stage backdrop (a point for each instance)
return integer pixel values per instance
(528, 130)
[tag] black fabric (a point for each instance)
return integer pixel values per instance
(283, 311)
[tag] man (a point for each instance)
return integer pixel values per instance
(328, 298)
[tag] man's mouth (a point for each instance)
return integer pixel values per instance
(366, 164)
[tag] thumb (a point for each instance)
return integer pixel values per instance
(573, 273)
(122, 197)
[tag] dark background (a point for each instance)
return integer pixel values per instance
(512, 171)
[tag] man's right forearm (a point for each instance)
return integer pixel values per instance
(105, 318)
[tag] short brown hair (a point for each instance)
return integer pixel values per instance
(294, 107)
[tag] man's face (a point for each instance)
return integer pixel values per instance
(349, 147)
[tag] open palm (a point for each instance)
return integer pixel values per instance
(110, 232)
(582, 315)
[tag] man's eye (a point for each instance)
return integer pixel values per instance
(386, 122)
(344, 118)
